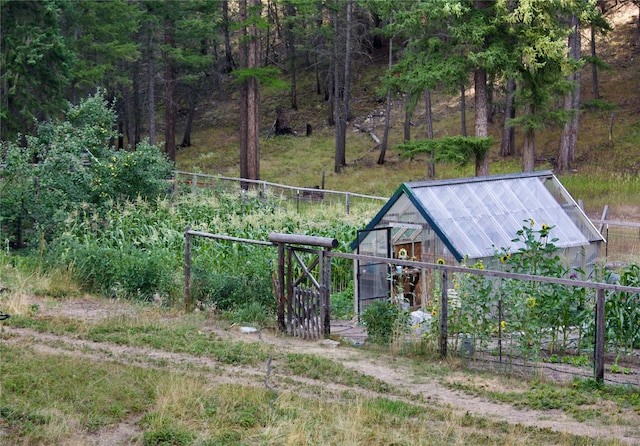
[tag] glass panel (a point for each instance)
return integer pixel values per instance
(479, 217)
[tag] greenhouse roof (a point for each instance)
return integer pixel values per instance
(476, 216)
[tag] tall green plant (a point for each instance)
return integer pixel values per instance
(70, 165)
(384, 320)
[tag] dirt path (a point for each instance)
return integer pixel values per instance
(428, 389)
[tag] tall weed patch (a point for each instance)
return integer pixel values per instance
(135, 249)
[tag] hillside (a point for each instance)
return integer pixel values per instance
(608, 143)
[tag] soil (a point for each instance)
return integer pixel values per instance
(344, 348)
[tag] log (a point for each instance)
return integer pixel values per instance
(369, 131)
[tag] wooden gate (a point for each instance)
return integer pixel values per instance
(304, 288)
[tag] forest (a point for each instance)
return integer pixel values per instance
(158, 61)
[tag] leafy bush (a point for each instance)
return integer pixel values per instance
(72, 164)
(384, 320)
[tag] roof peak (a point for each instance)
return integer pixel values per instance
(506, 176)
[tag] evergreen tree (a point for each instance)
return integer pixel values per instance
(36, 64)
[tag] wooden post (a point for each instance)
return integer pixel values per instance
(289, 292)
(325, 283)
(281, 279)
(194, 184)
(598, 356)
(443, 315)
(187, 270)
(348, 203)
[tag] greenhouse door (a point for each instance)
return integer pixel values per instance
(373, 283)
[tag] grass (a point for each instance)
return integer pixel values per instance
(45, 399)
(310, 399)
(70, 396)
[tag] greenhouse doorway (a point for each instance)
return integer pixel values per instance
(373, 276)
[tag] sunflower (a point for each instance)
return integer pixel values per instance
(545, 230)
(440, 261)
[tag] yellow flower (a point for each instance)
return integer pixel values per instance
(434, 313)
(544, 231)
(503, 324)
(531, 302)
(479, 265)
(505, 257)
(440, 261)
(402, 253)
(533, 222)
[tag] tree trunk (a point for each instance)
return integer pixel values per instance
(253, 101)
(169, 82)
(481, 118)
(229, 64)
(528, 152)
(387, 117)
(431, 167)
(338, 110)
(569, 136)
(186, 139)
(244, 93)
(463, 110)
(407, 120)
(347, 67)
(292, 58)
(594, 66)
(137, 109)
(151, 98)
(331, 102)
(507, 144)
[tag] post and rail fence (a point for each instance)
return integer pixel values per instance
(322, 247)
(266, 189)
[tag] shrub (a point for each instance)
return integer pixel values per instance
(384, 320)
(72, 164)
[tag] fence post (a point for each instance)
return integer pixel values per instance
(326, 292)
(281, 278)
(348, 202)
(187, 269)
(598, 356)
(443, 315)
(194, 183)
(289, 290)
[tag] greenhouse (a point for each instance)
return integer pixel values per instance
(466, 220)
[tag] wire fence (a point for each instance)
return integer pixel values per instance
(559, 328)
(623, 237)
(623, 240)
(301, 197)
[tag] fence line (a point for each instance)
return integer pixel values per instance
(264, 188)
(600, 309)
(599, 340)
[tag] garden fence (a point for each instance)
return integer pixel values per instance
(300, 196)
(559, 327)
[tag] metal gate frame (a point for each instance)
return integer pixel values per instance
(361, 269)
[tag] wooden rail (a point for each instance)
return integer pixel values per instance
(279, 240)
